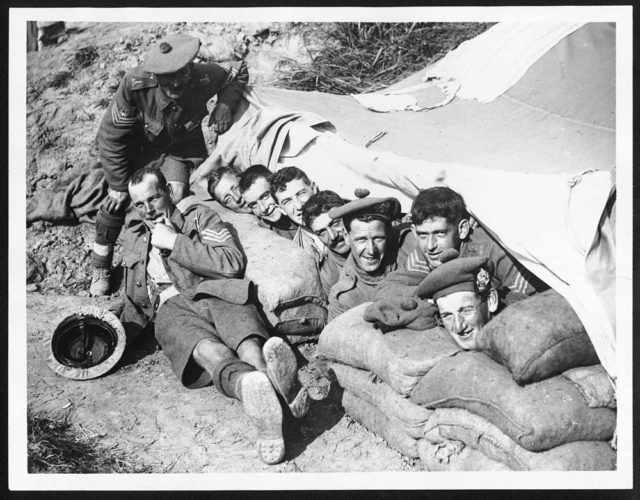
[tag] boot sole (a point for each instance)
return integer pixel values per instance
(282, 367)
(263, 408)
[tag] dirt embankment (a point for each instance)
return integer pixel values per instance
(141, 408)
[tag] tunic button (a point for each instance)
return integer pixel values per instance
(138, 284)
(174, 109)
(144, 239)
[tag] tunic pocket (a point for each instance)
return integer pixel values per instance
(152, 129)
(134, 278)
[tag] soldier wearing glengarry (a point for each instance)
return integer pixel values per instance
(155, 113)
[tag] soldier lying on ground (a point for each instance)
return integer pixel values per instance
(222, 185)
(440, 221)
(158, 109)
(255, 189)
(315, 215)
(376, 245)
(181, 273)
(292, 189)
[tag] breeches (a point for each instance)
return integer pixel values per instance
(181, 323)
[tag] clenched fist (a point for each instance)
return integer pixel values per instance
(163, 235)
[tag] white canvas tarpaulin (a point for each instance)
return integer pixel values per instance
(482, 68)
(536, 165)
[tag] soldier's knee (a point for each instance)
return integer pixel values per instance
(108, 228)
(209, 352)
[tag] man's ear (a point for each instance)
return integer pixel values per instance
(414, 230)
(463, 228)
(492, 300)
(314, 188)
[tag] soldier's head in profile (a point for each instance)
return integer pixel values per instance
(223, 186)
(255, 189)
(466, 297)
(367, 224)
(315, 215)
(171, 61)
(440, 221)
(292, 189)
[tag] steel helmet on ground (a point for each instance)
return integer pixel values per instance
(86, 344)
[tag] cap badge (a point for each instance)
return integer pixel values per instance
(483, 279)
(165, 47)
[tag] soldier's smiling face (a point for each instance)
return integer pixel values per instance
(368, 243)
(331, 233)
(228, 193)
(437, 234)
(260, 200)
(464, 313)
(175, 84)
(293, 197)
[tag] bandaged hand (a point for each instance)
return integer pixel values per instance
(115, 200)
(221, 118)
(163, 235)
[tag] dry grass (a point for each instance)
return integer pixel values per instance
(55, 447)
(365, 57)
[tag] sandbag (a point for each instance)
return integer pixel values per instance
(594, 385)
(285, 276)
(446, 455)
(538, 416)
(374, 420)
(400, 358)
(409, 416)
(537, 338)
(448, 424)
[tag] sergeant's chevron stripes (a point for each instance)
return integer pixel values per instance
(216, 236)
(417, 262)
(120, 117)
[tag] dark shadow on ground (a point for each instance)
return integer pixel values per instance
(144, 345)
(322, 416)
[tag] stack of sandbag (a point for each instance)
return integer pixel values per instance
(548, 425)
(534, 399)
(538, 408)
(285, 277)
(377, 372)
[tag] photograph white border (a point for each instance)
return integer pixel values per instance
(19, 479)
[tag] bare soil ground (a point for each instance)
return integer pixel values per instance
(140, 408)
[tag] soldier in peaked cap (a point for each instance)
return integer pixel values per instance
(157, 110)
(464, 291)
(376, 245)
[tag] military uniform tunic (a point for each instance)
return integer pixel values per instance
(142, 121)
(510, 278)
(205, 266)
(354, 286)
